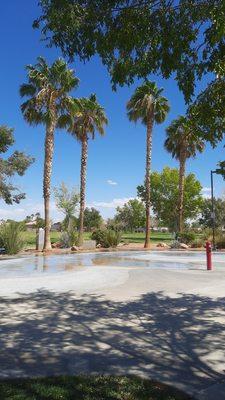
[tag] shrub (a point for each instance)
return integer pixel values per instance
(69, 238)
(187, 237)
(106, 237)
(11, 237)
(197, 243)
(175, 245)
(220, 242)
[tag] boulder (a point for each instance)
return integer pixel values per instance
(163, 245)
(74, 248)
(56, 245)
(184, 246)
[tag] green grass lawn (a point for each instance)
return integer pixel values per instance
(87, 388)
(140, 237)
(29, 237)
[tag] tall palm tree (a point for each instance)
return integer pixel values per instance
(148, 105)
(47, 92)
(183, 143)
(88, 118)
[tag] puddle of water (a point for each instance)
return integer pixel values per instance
(35, 265)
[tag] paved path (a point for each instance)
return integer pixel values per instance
(168, 325)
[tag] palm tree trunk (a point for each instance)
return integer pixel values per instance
(147, 179)
(181, 192)
(83, 173)
(49, 148)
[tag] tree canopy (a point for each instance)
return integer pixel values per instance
(17, 163)
(131, 216)
(67, 200)
(164, 196)
(135, 38)
(206, 213)
(92, 219)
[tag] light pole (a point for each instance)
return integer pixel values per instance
(213, 208)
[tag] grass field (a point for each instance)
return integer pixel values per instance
(29, 237)
(87, 388)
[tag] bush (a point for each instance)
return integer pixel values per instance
(197, 243)
(220, 242)
(187, 237)
(106, 237)
(69, 238)
(175, 245)
(11, 237)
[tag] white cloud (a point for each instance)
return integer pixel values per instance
(111, 204)
(19, 212)
(108, 208)
(206, 192)
(110, 182)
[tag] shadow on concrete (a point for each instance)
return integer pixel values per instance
(178, 341)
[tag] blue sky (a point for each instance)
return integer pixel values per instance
(116, 162)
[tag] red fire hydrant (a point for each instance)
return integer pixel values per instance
(209, 255)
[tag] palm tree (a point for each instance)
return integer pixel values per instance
(183, 143)
(148, 105)
(47, 92)
(88, 118)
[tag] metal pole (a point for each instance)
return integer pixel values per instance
(213, 211)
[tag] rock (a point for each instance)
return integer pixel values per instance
(163, 245)
(98, 246)
(56, 245)
(184, 246)
(74, 248)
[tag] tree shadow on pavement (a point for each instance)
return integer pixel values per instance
(178, 341)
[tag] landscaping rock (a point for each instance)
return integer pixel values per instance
(98, 246)
(57, 245)
(74, 248)
(184, 246)
(163, 245)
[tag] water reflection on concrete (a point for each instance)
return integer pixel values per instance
(48, 264)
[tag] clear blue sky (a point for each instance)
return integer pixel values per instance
(119, 156)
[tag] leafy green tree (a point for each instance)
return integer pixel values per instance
(165, 194)
(183, 143)
(131, 216)
(148, 105)
(92, 219)
(17, 163)
(135, 38)
(206, 213)
(47, 100)
(88, 118)
(207, 113)
(67, 202)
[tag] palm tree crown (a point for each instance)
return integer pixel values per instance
(47, 91)
(88, 117)
(148, 101)
(181, 140)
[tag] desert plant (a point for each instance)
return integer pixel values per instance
(220, 242)
(197, 243)
(187, 237)
(106, 237)
(11, 237)
(175, 245)
(69, 238)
